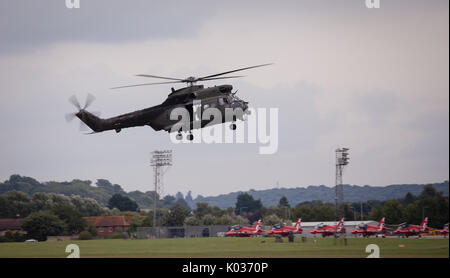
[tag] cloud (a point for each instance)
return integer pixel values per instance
(27, 24)
(375, 81)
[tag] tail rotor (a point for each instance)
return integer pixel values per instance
(81, 111)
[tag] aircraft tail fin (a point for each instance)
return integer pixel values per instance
(381, 224)
(340, 225)
(298, 224)
(257, 224)
(424, 224)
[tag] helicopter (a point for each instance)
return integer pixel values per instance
(159, 117)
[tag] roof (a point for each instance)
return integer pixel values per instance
(108, 221)
(12, 224)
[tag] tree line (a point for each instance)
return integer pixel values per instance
(55, 214)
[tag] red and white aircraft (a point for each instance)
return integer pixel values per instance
(285, 230)
(444, 231)
(413, 230)
(327, 230)
(369, 230)
(246, 231)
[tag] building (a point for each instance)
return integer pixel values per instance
(11, 224)
(109, 225)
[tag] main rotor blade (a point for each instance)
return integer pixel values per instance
(155, 76)
(145, 84)
(215, 78)
(73, 99)
(214, 75)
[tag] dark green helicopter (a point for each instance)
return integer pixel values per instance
(158, 117)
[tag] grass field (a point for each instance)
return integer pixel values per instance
(231, 247)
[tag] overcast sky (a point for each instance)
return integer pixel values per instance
(374, 80)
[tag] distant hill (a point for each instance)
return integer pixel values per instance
(103, 190)
(352, 193)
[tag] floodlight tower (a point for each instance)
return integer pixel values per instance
(341, 161)
(160, 159)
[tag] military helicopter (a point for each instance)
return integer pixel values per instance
(158, 117)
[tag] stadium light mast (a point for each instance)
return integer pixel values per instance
(341, 161)
(159, 160)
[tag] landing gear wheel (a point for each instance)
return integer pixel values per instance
(190, 137)
(179, 136)
(233, 126)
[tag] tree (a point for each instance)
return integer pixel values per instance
(72, 218)
(91, 229)
(302, 211)
(240, 220)
(18, 203)
(208, 219)
(272, 220)
(39, 225)
(183, 203)
(168, 201)
(377, 213)
(323, 212)
(191, 221)
(223, 220)
(123, 203)
(428, 192)
(147, 222)
(245, 204)
(433, 204)
(409, 199)
(393, 211)
(87, 206)
(283, 202)
(176, 216)
(202, 209)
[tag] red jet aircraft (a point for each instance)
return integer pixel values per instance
(413, 230)
(369, 230)
(327, 230)
(285, 230)
(246, 231)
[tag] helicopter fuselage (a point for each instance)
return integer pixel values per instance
(159, 116)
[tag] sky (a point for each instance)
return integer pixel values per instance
(344, 75)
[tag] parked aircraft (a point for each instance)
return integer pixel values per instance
(329, 230)
(370, 230)
(246, 231)
(286, 230)
(408, 230)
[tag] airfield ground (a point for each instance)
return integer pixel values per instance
(262, 247)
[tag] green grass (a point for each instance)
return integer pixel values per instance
(231, 247)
